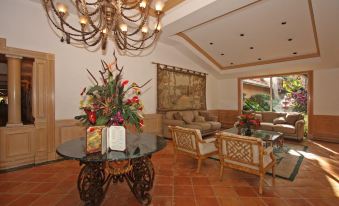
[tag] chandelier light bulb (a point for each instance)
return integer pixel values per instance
(83, 20)
(159, 6)
(62, 8)
(123, 27)
(143, 4)
(158, 27)
(144, 29)
(104, 31)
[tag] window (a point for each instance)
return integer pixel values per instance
(277, 93)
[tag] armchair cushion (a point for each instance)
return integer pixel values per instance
(206, 148)
(284, 128)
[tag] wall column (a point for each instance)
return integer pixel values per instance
(14, 90)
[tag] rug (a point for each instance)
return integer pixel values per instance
(288, 158)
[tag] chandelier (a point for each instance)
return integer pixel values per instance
(128, 23)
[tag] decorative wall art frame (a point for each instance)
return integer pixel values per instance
(180, 89)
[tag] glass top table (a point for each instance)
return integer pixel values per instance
(133, 166)
(270, 137)
(138, 145)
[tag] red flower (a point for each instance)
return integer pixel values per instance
(91, 116)
(141, 123)
(135, 99)
(241, 123)
(124, 83)
(129, 101)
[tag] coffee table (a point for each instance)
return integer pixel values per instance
(269, 137)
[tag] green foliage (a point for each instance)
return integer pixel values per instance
(295, 89)
(292, 84)
(258, 102)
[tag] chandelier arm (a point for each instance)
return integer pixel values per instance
(144, 39)
(62, 21)
(87, 14)
(131, 46)
(128, 18)
(83, 38)
(144, 18)
(134, 5)
(95, 27)
(141, 25)
(91, 4)
(118, 41)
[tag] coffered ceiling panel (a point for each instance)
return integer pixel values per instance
(263, 32)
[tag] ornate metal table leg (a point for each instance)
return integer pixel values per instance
(91, 181)
(140, 179)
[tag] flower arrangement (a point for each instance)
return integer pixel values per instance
(114, 101)
(248, 120)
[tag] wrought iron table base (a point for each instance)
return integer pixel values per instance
(93, 180)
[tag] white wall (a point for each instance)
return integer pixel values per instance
(326, 92)
(24, 25)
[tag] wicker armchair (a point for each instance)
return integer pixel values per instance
(246, 154)
(190, 142)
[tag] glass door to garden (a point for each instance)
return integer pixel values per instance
(286, 93)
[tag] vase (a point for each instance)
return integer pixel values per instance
(248, 131)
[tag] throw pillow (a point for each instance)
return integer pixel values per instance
(291, 118)
(177, 116)
(279, 120)
(199, 119)
(187, 119)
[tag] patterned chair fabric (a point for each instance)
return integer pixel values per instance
(189, 141)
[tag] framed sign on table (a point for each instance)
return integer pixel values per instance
(180, 89)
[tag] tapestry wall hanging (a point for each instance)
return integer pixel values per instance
(180, 89)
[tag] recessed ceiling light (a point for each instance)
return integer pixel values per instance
(222, 54)
(284, 22)
(242, 34)
(295, 52)
(251, 47)
(231, 63)
(290, 39)
(259, 59)
(211, 43)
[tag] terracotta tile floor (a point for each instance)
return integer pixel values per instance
(178, 184)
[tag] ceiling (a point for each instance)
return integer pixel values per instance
(258, 33)
(308, 39)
